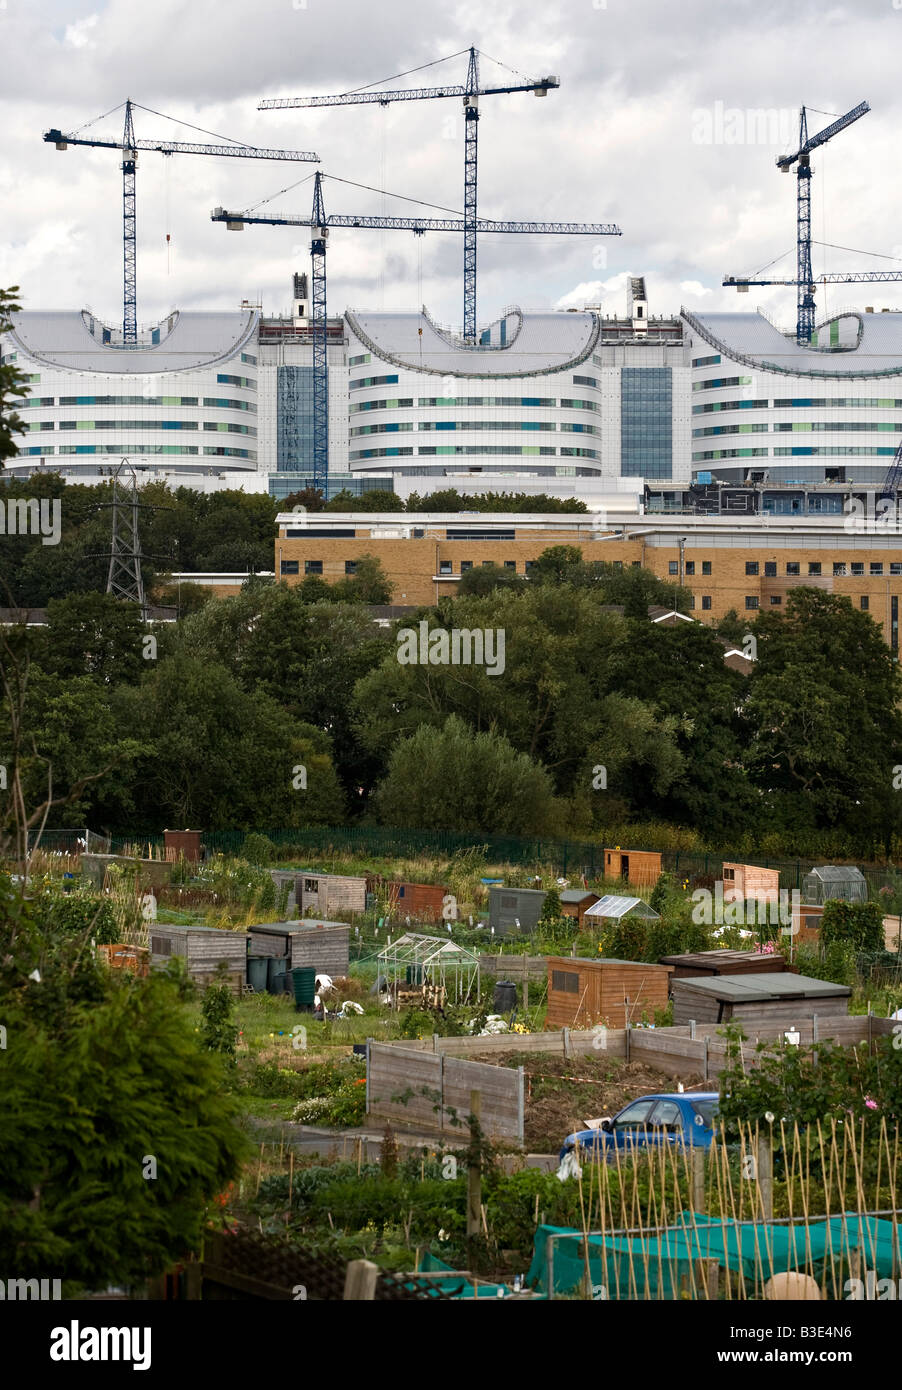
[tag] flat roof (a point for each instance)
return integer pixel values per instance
(740, 989)
(292, 928)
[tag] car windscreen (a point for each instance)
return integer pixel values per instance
(707, 1109)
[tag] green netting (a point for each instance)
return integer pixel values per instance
(457, 1286)
(662, 1266)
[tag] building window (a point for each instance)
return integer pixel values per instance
(350, 566)
(313, 566)
(444, 567)
(567, 981)
(876, 567)
(510, 564)
(690, 566)
(751, 566)
(291, 567)
(839, 568)
(751, 600)
(728, 874)
(895, 567)
(465, 565)
(814, 566)
(706, 601)
(792, 567)
(692, 601)
(528, 566)
(857, 567)
(894, 625)
(770, 569)
(673, 567)
(776, 600)
(487, 564)
(706, 566)
(646, 413)
(865, 603)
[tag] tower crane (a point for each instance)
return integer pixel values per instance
(129, 146)
(804, 280)
(470, 93)
(320, 222)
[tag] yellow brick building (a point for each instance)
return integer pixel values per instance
(747, 564)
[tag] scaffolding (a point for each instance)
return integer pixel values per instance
(418, 960)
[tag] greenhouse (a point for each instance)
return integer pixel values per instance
(417, 960)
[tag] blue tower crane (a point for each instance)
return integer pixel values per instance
(802, 156)
(470, 92)
(321, 222)
(129, 147)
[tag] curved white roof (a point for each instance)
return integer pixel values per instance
(535, 343)
(752, 338)
(197, 340)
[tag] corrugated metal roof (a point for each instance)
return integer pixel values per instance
(752, 335)
(613, 906)
(545, 342)
(197, 340)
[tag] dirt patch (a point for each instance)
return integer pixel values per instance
(563, 1092)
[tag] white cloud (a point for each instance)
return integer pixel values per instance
(78, 35)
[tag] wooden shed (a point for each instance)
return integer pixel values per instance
(329, 895)
(202, 948)
(639, 866)
(748, 881)
(705, 964)
(584, 991)
(756, 999)
(324, 945)
(576, 901)
(509, 907)
(182, 844)
(422, 902)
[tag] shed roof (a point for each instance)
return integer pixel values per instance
(613, 906)
(190, 927)
(605, 960)
(740, 989)
(291, 928)
(577, 895)
(718, 958)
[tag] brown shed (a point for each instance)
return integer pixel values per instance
(583, 991)
(421, 902)
(749, 881)
(182, 844)
(202, 948)
(324, 945)
(576, 901)
(331, 895)
(698, 964)
(639, 866)
(757, 999)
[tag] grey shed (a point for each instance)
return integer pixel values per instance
(508, 906)
(831, 881)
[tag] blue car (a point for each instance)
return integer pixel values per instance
(684, 1119)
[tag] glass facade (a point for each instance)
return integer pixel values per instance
(646, 431)
(294, 420)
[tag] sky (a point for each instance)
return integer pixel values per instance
(668, 122)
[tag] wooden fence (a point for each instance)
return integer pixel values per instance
(425, 1083)
(430, 1091)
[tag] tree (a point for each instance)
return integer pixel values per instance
(378, 500)
(13, 385)
(93, 634)
(478, 582)
(313, 499)
(118, 1128)
(454, 779)
(822, 715)
(368, 584)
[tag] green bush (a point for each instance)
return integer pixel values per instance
(860, 924)
(258, 849)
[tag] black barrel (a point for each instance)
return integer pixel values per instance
(505, 998)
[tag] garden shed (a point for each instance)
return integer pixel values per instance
(514, 909)
(615, 907)
(431, 963)
(705, 964)
(329, 895)
(575, 902)
(422, 901)
(748, 881)
(757, 999)
(584, 991)
(639, 866)
(324, 945)
(834, 881)
(202, 949)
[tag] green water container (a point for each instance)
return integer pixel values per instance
(276, 967)
(304, 978)
(414, 974)
(257, 973)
